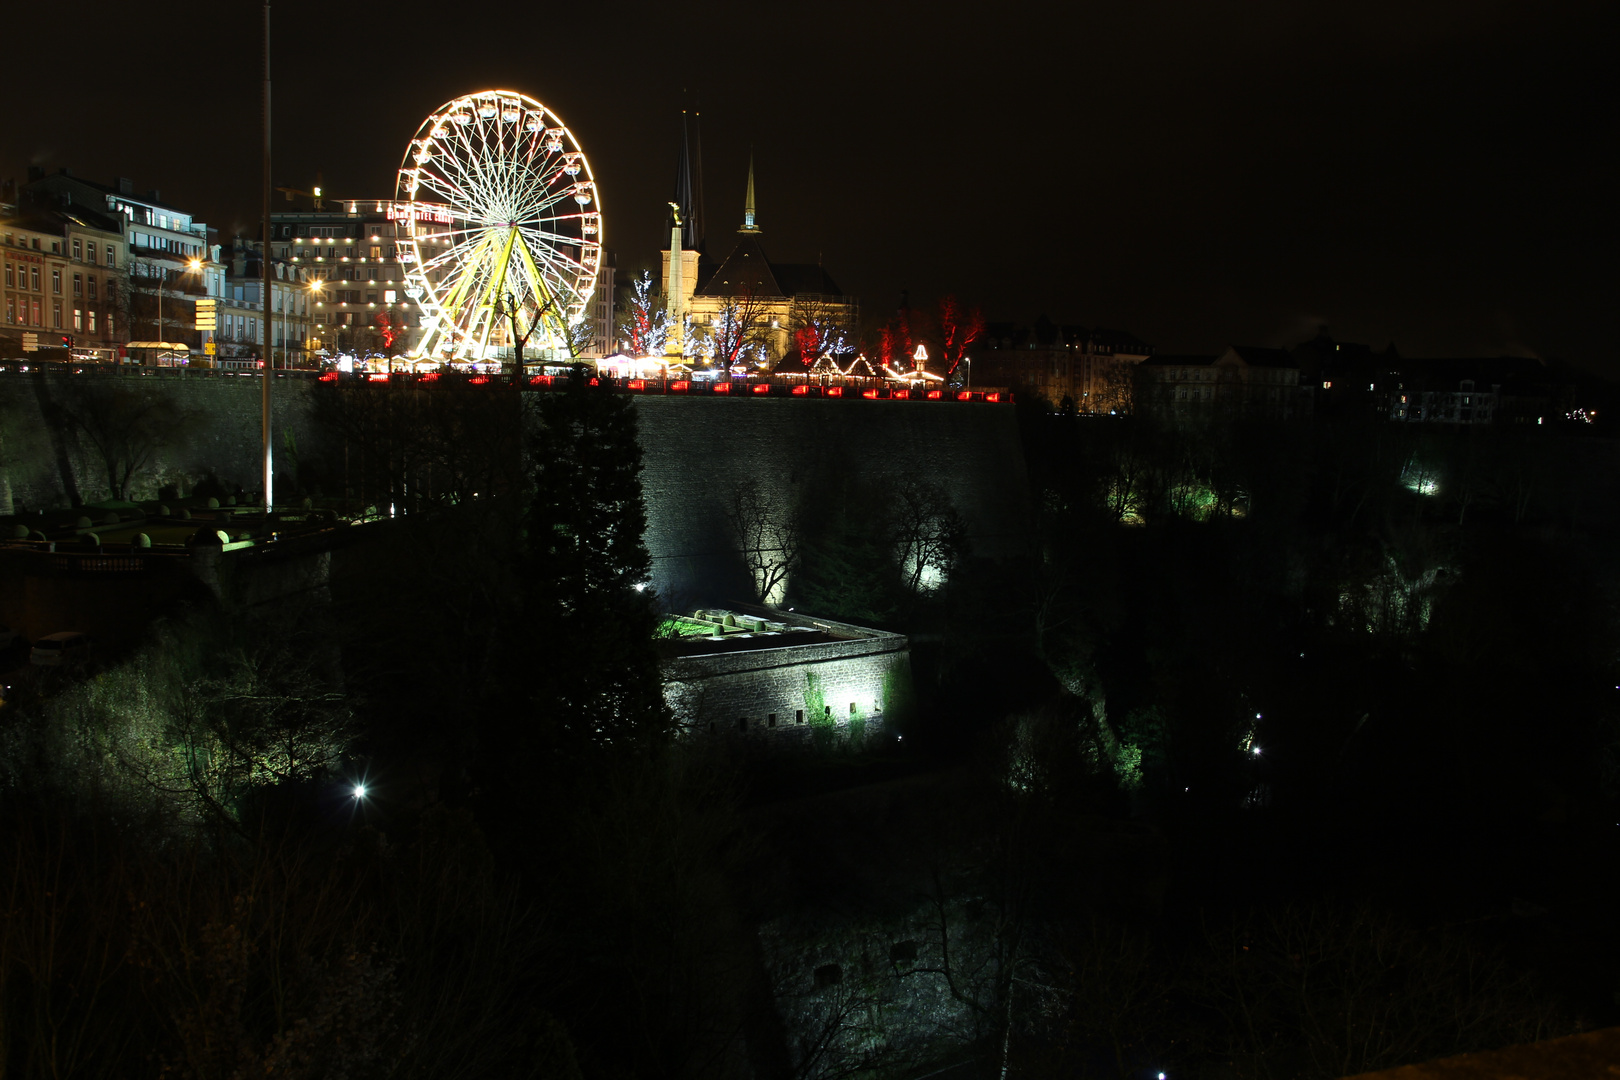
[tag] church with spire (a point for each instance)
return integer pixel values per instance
(743, 298)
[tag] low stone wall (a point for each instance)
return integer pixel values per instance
(790, 697)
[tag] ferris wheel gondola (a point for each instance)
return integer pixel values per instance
(503, 229)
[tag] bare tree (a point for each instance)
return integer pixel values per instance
(575, 334)
(929, 536)
(1114, 386)
(19, 454)
(737, 326)
(765, 528)
(124, 423)
(1324, 992)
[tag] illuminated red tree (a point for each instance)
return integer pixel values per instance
(388, 329)
(808, 341)
(895, 339)
(958, 329)
(644, 324)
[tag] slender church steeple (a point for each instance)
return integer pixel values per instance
(681, 202)
(697, 214)
(748, 207)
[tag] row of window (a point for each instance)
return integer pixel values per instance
(374, 252)
(1215, 375)
(27, 312)
(798, 716)
(334, 231)
(1199, 393)
(1466, 415)
(350, 273)
(20, 277)
(85, 251)
(162, 243)
(148, 216)
(82, 251)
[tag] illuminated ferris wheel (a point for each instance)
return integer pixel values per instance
(503, 229)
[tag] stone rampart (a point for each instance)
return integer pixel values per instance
(47, 466)
(697, 450)
(788, 697)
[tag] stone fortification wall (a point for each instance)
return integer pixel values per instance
(788, 697)
(47, 466)
(698, 450)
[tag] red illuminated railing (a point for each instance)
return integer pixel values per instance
(865, 389)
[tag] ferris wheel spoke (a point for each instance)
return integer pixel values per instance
(556, 247)
(449, 191)
(538, 255)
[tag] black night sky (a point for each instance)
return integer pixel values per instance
(1436, 174)
(1086, 716)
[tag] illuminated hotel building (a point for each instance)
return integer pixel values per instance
(348, 245)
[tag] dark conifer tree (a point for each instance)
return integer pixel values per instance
(588, 613)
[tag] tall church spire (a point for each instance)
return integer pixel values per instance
(681, 202)
(697, 214)
(748, 207)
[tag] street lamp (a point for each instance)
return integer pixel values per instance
(315, 285)
(163, 282)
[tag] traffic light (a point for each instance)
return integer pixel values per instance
(67, 341)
